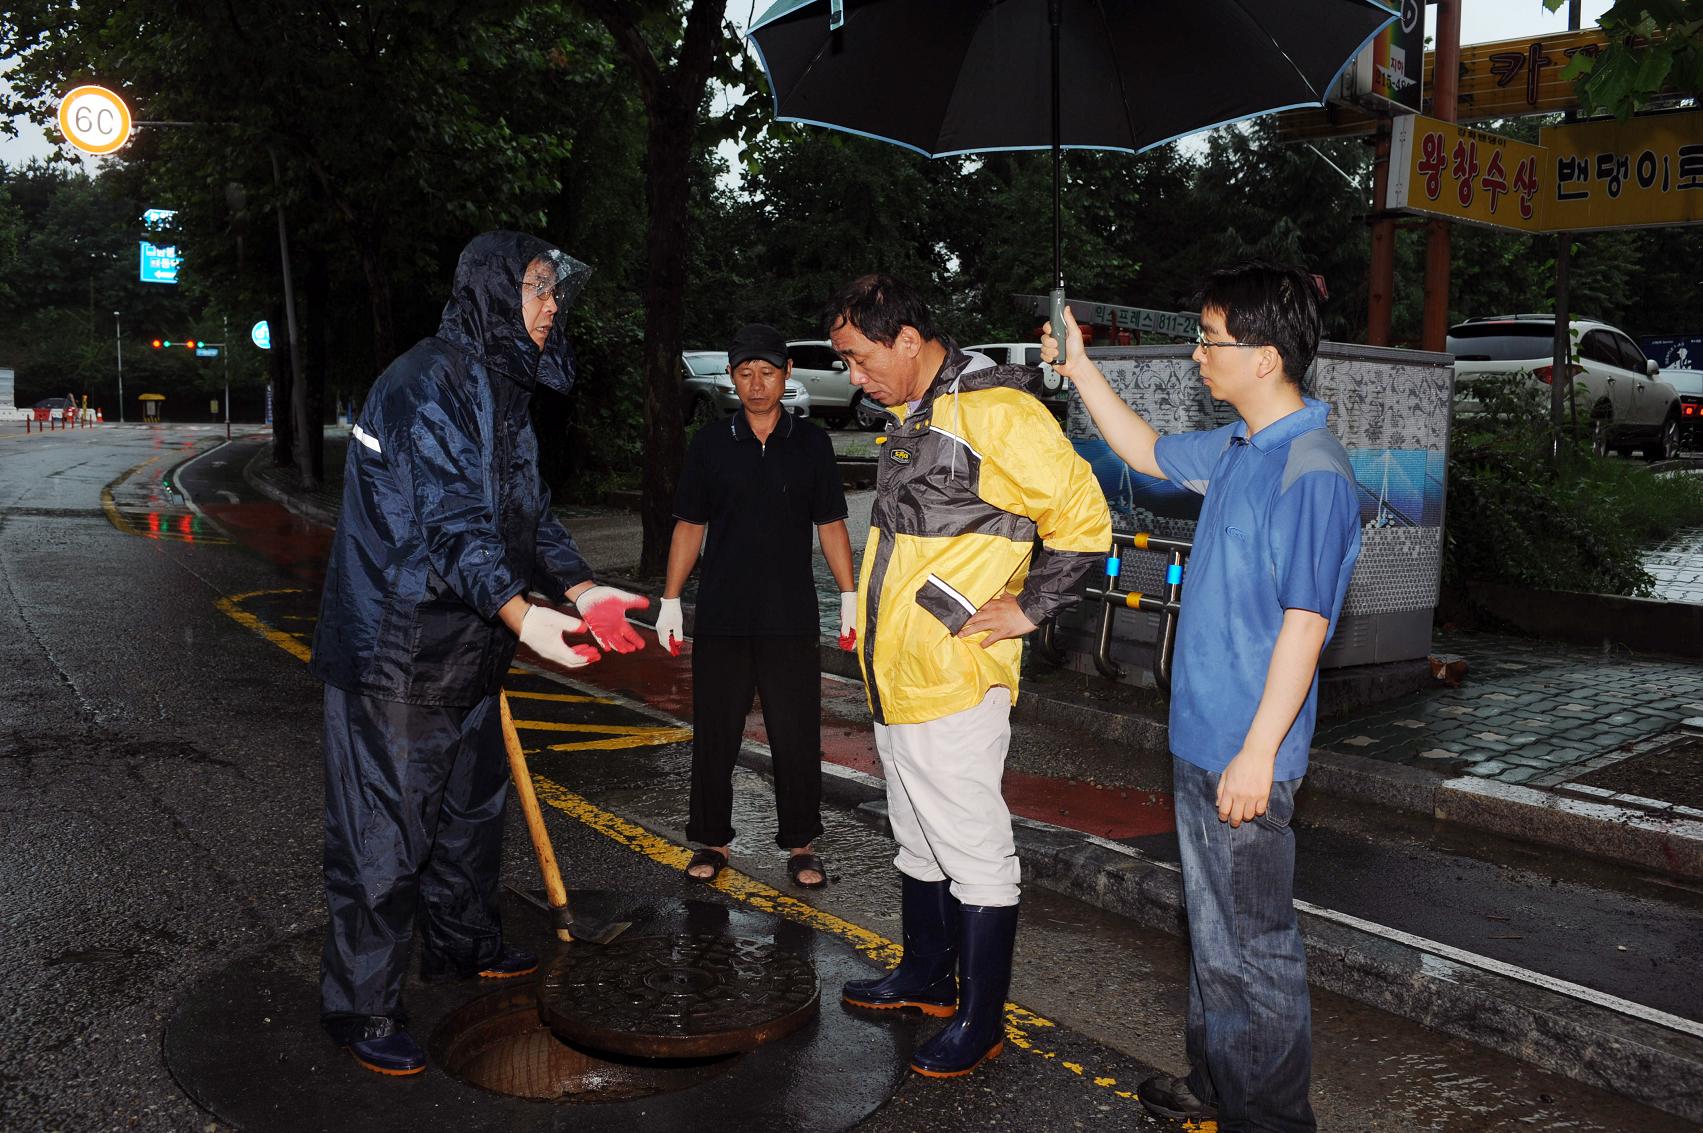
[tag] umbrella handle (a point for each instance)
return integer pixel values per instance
(1058, 323)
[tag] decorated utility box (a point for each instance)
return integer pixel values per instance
(1389, 407)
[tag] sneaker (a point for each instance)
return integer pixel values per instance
(385, 1048)
(1168, 1096)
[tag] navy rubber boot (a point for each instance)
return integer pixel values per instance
(923, 979)
(383, 1047)
(977, 1032)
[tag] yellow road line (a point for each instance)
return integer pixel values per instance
(231, 607)
(622, 735)
(117, 518)
(557, 697)
(1021, 1024)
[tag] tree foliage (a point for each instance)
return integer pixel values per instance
(1655, 48)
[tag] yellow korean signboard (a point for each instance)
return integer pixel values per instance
(1640, 173)
(1588, 176)
(1455, 171)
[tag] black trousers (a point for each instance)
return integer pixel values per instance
(726, 671)
(413, 829)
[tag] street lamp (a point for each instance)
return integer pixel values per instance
(118, 341)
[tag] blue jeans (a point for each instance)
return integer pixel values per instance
(1250, 1041)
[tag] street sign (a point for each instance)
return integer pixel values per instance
(1584, 177)
(1386, 73)
(1509, 78)
(159, 265)
(159, 262)
(1177, 324)
(94, 119)
(261, 335)
(1641, 173)
(1454, 171)
(206, 351)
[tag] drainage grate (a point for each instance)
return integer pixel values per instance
(1670, 772)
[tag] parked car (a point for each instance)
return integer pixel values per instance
(1616, 392)
(1688, 384)
(709, 388)
(1028, 354)
(827, 379)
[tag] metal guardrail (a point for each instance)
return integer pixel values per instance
(1113, 599)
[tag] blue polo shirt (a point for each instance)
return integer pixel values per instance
(1279, 530)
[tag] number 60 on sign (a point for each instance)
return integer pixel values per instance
(94, 119)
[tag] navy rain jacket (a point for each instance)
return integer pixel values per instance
(444, 517)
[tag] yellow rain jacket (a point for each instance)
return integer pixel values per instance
(967, 481)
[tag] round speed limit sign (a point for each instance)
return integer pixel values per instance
(94, 119)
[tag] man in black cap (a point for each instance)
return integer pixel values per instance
(757, 483)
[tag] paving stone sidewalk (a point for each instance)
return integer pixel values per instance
(1676, 565)
(1528, 710)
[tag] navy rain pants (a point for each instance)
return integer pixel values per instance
(413, 827)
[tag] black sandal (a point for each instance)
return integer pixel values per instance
(798, 863)
(706, 856)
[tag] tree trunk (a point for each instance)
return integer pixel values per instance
(283, 397)
(667, 179)
(370, 240)
(316, 287)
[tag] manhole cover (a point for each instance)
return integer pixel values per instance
(1672, 773)
(680, 996)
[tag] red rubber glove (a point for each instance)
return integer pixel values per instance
(604, 609)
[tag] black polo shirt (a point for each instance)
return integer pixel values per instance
(761, 502)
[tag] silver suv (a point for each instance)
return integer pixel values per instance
(709, 392)
(1614, 385)
(827, 380)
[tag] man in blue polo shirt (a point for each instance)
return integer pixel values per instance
(754, 486)
(1278, 534)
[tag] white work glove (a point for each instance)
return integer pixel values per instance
(670, 625)
(604, 609)
(541, 631)
(848, 620)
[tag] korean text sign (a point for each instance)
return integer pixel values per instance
(1455, 171)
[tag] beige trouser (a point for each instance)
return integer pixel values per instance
(944, 803)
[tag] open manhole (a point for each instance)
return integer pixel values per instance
(499, 1043)
(1670, 772)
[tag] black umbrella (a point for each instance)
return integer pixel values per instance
(946, 77)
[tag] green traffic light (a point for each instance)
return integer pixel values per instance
(168, 344)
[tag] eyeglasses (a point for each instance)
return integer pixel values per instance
(1200, 339)
(543, 287)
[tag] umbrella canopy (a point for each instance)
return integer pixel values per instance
(946, 77)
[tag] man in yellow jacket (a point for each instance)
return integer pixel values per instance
(972, 471)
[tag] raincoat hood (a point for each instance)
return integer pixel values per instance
(483, 315)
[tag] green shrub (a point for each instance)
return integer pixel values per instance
(1574, 521)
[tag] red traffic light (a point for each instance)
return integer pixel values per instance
(158, 344)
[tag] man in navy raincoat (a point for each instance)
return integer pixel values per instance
(445, 527)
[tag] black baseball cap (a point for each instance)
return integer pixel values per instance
(757, 340)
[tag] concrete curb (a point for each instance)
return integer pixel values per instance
(303, 506)
(1669, 843)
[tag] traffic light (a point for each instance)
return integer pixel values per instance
(158, 344)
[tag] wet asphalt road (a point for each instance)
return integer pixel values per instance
(160, 795)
